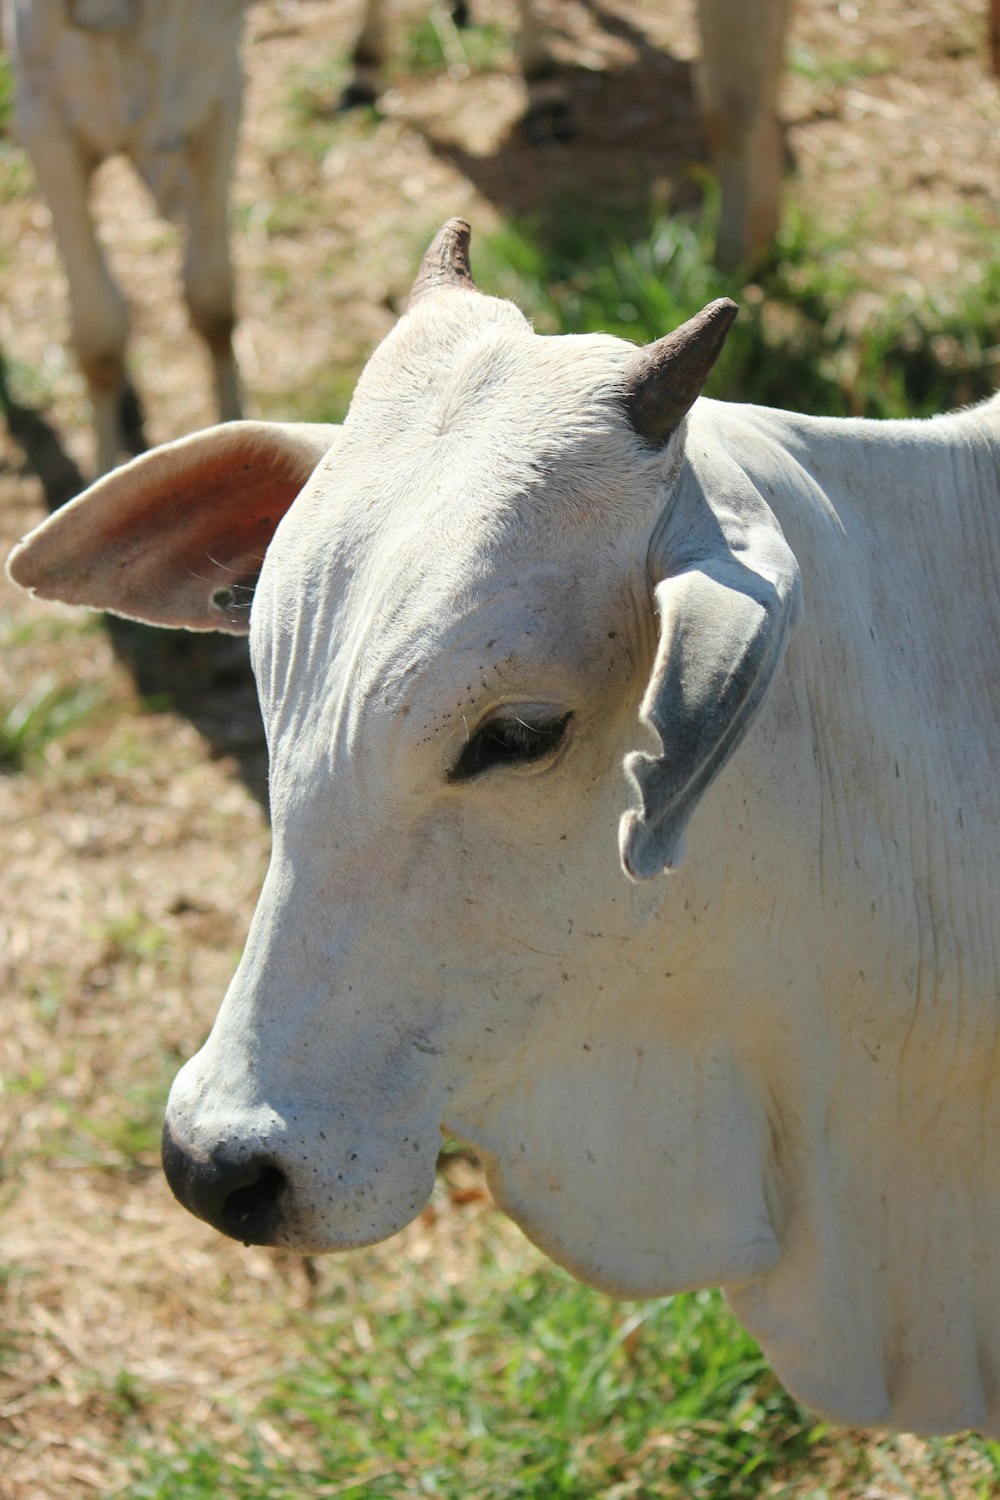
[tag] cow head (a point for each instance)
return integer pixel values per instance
(505, 638)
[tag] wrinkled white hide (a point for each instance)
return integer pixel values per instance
(158, 81)
(772, 1067)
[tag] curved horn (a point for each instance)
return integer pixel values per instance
(446, 264)
(665, 379)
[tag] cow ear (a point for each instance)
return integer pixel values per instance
(178, 536)
(728, 595)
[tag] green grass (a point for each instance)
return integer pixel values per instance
(122, 1140)
(25, 384)
(128, 1139)
(531, 1386)
(313, 125)
(6, 96)
(827, 69)
(438, 45)
(802, 340)
(39, 717)
(16, 180)
(325, 398)
(314, 122)
(46, 713)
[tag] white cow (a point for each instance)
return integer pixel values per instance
(160, 82)
(521, 612)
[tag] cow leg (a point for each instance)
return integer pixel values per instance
(739, 76)
(208, 271)
(548, 116)
(367, 58)
(98, 315)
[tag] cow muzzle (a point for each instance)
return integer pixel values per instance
(242, 1196)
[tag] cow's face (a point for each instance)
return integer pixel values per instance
(451, 635)
(504, 639)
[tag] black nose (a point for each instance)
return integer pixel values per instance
(240, 1196)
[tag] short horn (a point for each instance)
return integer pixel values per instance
(446, 264)
(665, 379)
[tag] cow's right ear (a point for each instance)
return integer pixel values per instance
(729, 597)
(178, 536)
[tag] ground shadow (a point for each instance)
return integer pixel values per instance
(205, 678)
(638, 149)
(44, 455)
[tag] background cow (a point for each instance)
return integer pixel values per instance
(160, 82)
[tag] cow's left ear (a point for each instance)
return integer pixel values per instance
(178, 536)
(728, 595)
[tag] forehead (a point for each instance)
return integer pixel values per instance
(482, 473)
(466, 424)
(463, 410)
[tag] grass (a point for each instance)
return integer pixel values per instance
(15, 174)
(313, 123)
(839, 72)
(49, 711)
(6, 96)
(123, 1140)
(809, 337)
(436, 44)
(80, 1119)
(528, 1385)
(39, 723)
(325, 398)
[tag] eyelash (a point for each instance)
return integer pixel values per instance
(502, 742)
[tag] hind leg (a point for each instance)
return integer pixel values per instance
(739, 77)
(367, 58)
(548, 116)
(98, 315)
(208, 271)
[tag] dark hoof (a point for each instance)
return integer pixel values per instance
(130, 421)
(356, 95)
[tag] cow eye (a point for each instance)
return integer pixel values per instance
(508, 741)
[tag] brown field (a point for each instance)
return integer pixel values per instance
(132, 845)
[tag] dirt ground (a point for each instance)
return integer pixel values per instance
(131, 855)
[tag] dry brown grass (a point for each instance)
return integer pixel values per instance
(131, 860)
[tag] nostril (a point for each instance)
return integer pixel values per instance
(251, 1212)
(242, 1196)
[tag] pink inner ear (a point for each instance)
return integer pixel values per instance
(178, 536)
